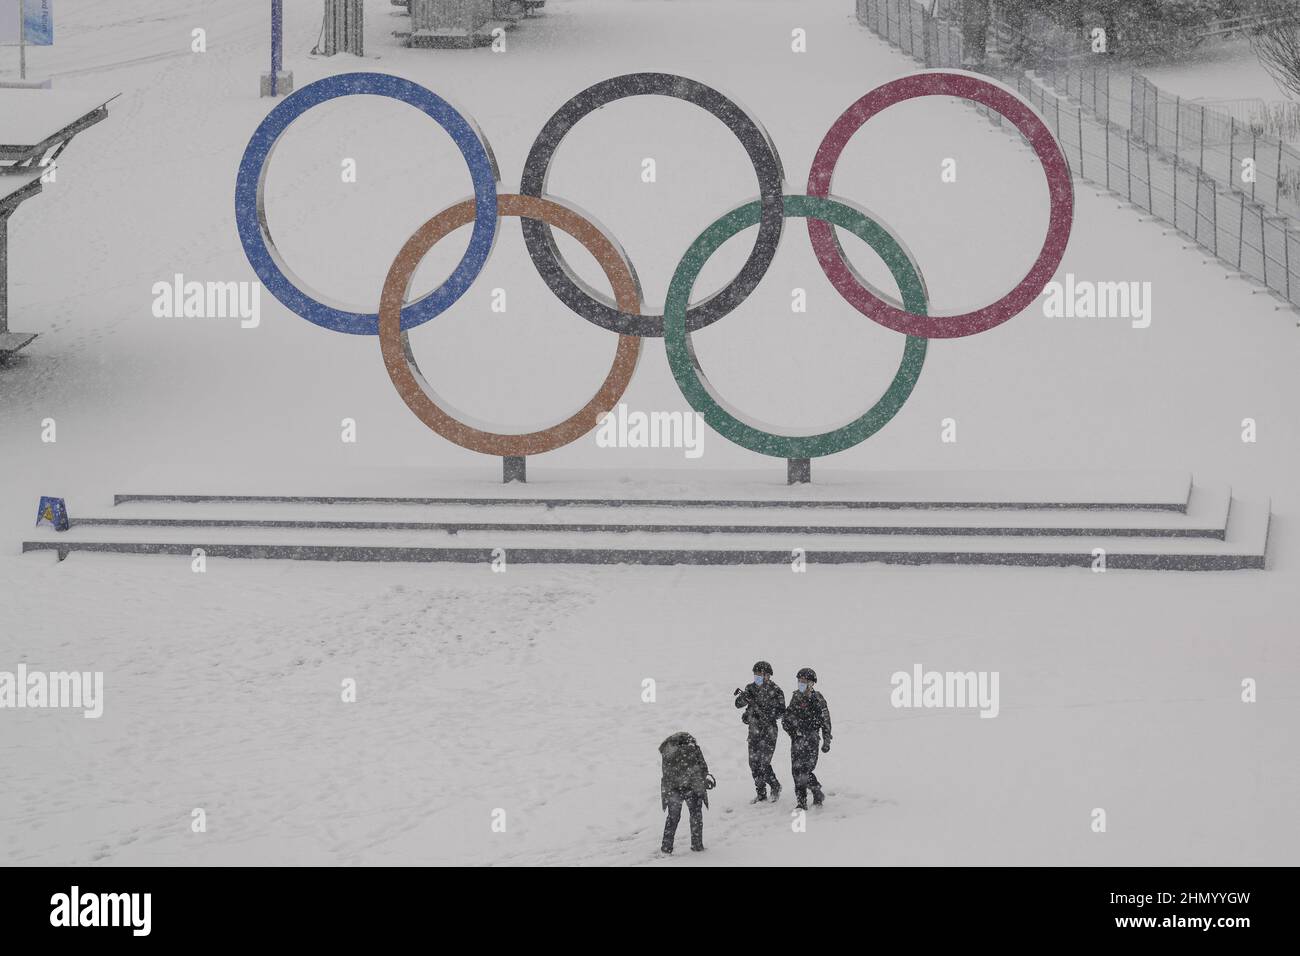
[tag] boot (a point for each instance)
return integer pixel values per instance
(666, 848)
(697, 848)
(801, 798)
(776, 791)
(818, 797)
(761, 797)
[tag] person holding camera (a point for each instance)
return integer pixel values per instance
(764, 703)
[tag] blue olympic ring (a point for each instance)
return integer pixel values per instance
(250, 212)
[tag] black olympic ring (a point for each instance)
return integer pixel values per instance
(556, 272)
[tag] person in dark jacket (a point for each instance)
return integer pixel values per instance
(805, 717)
(764, 703)
(685, 780)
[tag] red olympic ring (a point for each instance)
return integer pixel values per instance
(1059, 184)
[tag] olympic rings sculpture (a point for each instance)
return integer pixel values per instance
(539, 213)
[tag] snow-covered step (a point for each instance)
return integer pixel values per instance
(1206, 515)
(947, 490)
(1244, 545)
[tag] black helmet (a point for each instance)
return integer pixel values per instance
(807, 674)
(763, 667)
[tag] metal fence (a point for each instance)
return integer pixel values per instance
(1280, 118)
(1239, 155)
(1090, 87)
(909, 25)
(901, 22)
(1179, 161)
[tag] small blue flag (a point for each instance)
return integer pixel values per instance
(54, 512)
(38, 22)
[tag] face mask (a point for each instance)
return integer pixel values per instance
(802, 686)
(758, 678)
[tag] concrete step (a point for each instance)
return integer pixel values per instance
(1243, 545)
(1206, 516)
(943, 490)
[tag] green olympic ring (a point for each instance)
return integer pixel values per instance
(694, 384)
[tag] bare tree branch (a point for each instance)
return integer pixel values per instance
(1276, 41)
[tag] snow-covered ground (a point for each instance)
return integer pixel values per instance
(1217, 71)
(523, 690)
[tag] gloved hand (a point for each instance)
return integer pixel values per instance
(736, 692)
(826, 746)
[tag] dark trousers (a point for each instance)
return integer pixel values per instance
(761, 748)
(695, 804)
(803, 760)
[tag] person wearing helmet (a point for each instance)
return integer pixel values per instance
(764, 703)
(686, 779)
(805, 717)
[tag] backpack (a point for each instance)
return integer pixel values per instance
(684, 767)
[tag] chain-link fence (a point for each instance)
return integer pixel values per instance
(1181, 162)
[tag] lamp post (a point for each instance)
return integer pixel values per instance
(22, 42)
(277, 42)
(277, 82)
